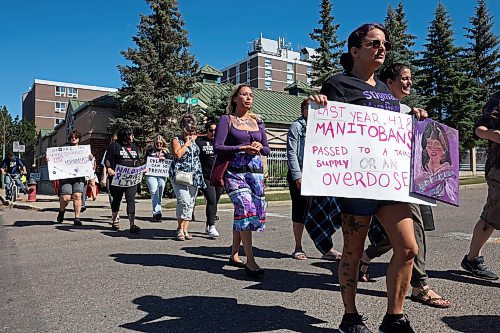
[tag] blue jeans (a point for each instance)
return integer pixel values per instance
(156, 186)
(19, 183)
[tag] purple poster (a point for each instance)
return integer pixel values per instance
(435, 171)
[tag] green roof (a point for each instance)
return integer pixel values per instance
(108, 100)
(301, 85)
(46, 131)
(273, 106)
(207, 69)
(75, 104)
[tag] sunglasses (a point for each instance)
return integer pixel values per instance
(211, 130)
(158, 143)
(74, 137)
(376, 44)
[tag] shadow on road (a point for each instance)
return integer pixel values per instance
(473, 323)
(31, 223)
(146, 233)
(223, 252)
(217, 314)
(461, 276)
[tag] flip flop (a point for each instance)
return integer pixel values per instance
(421, 298)
(332, 257)
(299, 255)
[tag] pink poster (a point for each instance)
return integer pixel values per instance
(435, 170)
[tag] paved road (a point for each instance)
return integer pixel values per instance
(61, 278)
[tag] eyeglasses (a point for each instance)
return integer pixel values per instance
(211, 130)
(73, 137)
(376, 44)
(246, 94)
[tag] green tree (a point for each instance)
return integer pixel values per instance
(482, 53)
(325, 62)
(162, 69)
(15, 129)
(218, 103)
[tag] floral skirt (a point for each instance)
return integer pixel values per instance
(244, 183)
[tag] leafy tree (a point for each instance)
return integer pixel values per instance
(218, 103)
(15, 129)
(162, 69)
(326, 61)
(482, 53)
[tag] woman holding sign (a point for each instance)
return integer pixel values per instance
(241, 137)
(122, 152)
(367, 48)
(156, 182)
(185, 174)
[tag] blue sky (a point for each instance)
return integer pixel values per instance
(80, 42)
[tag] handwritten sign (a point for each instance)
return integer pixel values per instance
(157, 167)
(69, 162)
(127, 176)
(436, 161)
(358, 152)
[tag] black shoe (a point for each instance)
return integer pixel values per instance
(77, 222)
(256, 273)
(401, 325)
(353, 323)
(157, 217)
(239, 264)
(216, 218)
(135, 229)
(60, 217)
(477, 268)
(83, 209)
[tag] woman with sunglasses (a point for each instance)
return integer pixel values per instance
(212, 193)
(122, 152)
(187, 161)
(156, 184)
(367, 48)
(241, 137)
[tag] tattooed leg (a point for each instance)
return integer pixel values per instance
(354, 229)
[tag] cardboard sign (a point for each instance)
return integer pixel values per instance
(127, 176)
(436, 161)
(157, 167)
(358, 152)
(69, 162)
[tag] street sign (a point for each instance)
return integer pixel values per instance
(181, 100)
(15, 146)
(22, 149)
(193, 101)
(187, 100)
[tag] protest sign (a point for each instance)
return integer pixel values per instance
(356, 151)
(127, 176)
(436, 161)
(69, 162)
(157, 167)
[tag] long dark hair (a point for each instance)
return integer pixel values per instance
(356, 40)
(434, 131)
(392, 71)
(123, 135)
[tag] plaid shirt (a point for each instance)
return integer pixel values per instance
(322, 220)
(491, 120)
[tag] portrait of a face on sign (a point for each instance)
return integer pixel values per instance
(435, 157)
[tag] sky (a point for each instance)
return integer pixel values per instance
(80, 42)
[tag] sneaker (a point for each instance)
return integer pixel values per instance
(157, 217)
(77, 222)
(60, 217)
(135, 229)
(401, 325)
(353, 324)
(212, 232)
(216, 218)
(477, 268)
(83, 209)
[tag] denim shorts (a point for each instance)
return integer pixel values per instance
(71, 186)
(363, 207)
(491, 210)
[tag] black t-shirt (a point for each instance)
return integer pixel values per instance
(122, 155)
(347, 88)
(12, 167)
(207, 156)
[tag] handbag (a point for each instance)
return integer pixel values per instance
(185, 177)
(218, 170)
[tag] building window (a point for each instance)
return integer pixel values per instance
(268, 85)
(59, 120)
(289, 78)
(248, 66)
(309, 70)
(267, 63)
(60, 107)
(60, 91)
(289, 67)
(268, 74)
(72, 92)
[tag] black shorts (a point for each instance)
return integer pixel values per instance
(299, 202)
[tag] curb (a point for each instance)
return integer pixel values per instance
(18, 205)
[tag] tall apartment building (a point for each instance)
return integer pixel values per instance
(46, 102)
(271, 65)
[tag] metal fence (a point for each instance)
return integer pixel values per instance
(277, 167)
(464, 156)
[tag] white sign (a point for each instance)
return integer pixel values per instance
(157, 167)
(356, 151)
(127, 176)
(21, 149)
(15, 146)
(69, 162)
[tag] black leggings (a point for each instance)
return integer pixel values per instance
(212, 195)
(117, 194)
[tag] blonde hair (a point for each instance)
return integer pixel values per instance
(231, 105)
(160, 138)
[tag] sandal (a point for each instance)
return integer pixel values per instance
(187, 235)
(363, 276)
(299, 255)
(423, 298)
(115, 225)
(180, 235)
(335, 256)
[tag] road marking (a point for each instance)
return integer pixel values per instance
(465, 236)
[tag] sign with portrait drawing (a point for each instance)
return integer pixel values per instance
(436, 161)
(356, 151)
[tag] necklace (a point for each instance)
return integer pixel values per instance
(242, 121)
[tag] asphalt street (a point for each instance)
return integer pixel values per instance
(60, 278)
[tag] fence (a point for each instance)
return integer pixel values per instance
(277, 167)
(465, 159)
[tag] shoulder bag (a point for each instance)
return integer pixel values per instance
(185, 177)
